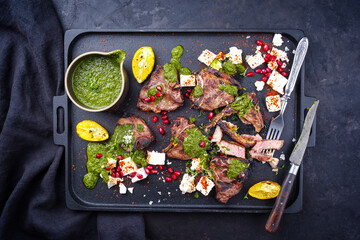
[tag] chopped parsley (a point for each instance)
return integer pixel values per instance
(192, 119)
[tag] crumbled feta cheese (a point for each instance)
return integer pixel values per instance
(279, 54)
(205, 185)
(131, 190)
(140, 172)
(187, 184)
(258, 49)
(127, 166)
(207, 57)
(168, 162)
(283, 65)
(112, 181)
(235, 55)
(195, 164)
(159, 201)
(275, 169)
(273, 103)
(277, 40)
(151, 202)
(273, 162)
(111, 163)
(259, 85)
(254, 60)
(159, 193)
(247, 37)
(293, 140)
(122, 188)
(187, 80)
(155, 158)
(282, 157)
(293, 52)
(128, 138)
(286, 49)
(272, 65)
(277, 81)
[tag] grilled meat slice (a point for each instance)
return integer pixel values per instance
(226, 187)
(172, 97)
(178, 130)
(268, 144)
(244, 139)
(254, 116)
(227, 111)
(262, 157)
(142, 138)
(231, 148)
(217, 136)
(212, 98)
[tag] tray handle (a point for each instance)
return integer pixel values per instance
(60, 119)
(308, 102)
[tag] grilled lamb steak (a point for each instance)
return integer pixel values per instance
(268, 144)
(172, 97)
(143, 138)
(227, 111)
(178, 130)
(226, 187)
(209, 79)
(232, 148)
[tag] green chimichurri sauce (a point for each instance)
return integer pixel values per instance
(177, 52)
(139, 157)
(228, 68)
(171, 69)
(235, 168)
(139, 127)
(192, 142)
(97, 80)
(197, 92)
(124, 136)
(170, 73)
(242, 104)
(229, 89)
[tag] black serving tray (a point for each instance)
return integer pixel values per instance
(166, 196)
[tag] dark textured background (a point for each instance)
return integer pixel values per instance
(331, 178)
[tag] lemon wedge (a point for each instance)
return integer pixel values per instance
(265, 190)
(143, 63)
(91, 131)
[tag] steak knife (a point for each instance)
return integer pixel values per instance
(296, 158)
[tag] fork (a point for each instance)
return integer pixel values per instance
(277, 124)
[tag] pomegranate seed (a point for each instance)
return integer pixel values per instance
(267, 74)
(118, 169)
(265, 47)
(117, 175)
(258, 70)
(166, 121)
(268, 70)
(187, 94)
(152, 98)
(113, 174)
(279, 63)
(164, 117)
(222, 154)
(133, 174)
(280, 70)
(168, 179)
(147, 99)
(119, 157)
(263, 71)
(158, 94)
(107, 169)
(177, 173)
(121, 174)
(163, 112)
(139, 176)
(160, 167)
(99, 155)
(161, 131)
(210, 137)
(273, 58)
(268, 55)
(285, 74)
(202, 144)
(113, 170)
(147, 171)
(159, 88)
(149, 167)
(266, 59)
(174, 176)
(264, 79)
(170, 170)
(154, 171)
(154, 119)
(189, 90)
(258, 42)
(250, 74)
(210, 115)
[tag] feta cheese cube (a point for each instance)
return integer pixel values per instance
(277, 40)
(155, 158)
(277, 81)
(259, 85)
(254, 60)
(187, 184)
(279, 54)
(235, 55)
(205, 185)
(195, 164)
(112, 181)
(131, 190)
(273, 103)
(187, 80)
(207, 57)
(111, 163)
(122, 188)
(139, 173)
(127, 166)
(272, 65)
(258, 50)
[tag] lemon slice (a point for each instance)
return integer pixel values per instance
(91, 131)
(143, 63)
(265, 190)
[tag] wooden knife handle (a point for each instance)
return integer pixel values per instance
(273, 221)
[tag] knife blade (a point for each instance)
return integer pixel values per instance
(296, 158)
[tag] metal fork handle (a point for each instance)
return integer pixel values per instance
(295, 69)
